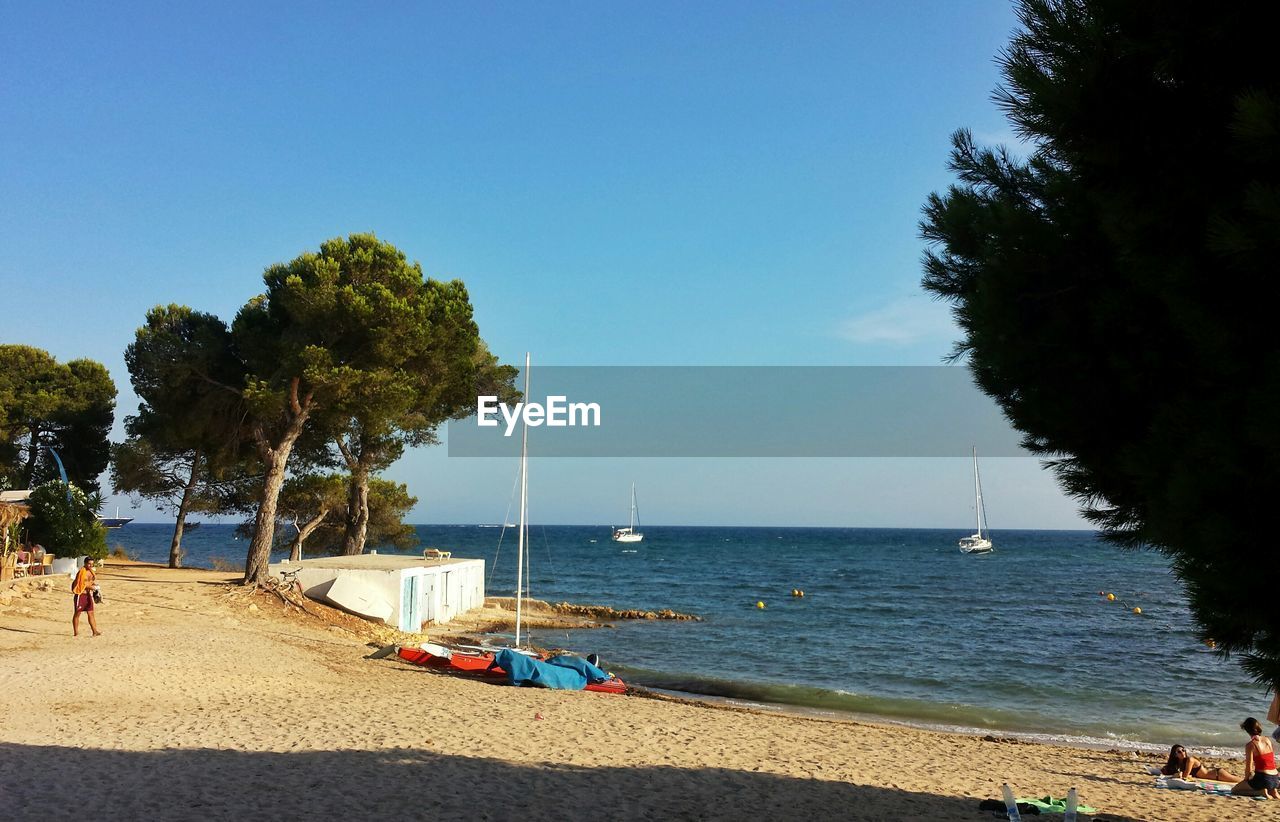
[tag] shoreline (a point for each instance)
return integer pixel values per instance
(1152, 751)
(497, 616)
(236, 698)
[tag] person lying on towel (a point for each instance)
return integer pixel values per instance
(1185, 766)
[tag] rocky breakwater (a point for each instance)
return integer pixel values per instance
(607, 612)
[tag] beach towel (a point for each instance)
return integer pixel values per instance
(1049, 804)
(1204, 785)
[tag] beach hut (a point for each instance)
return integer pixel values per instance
(406, 592)
(13, 510)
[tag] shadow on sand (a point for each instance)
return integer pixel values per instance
(415, 783)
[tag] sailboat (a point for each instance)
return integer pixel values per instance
(481, 661)
(630, 534)
(977, 544)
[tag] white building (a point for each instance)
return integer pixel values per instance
(402, 591)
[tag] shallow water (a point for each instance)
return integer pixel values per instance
(895, 623)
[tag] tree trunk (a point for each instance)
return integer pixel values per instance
(276, 459)
(357, 513)
(264, 523)
(175, 546)
(304, 531)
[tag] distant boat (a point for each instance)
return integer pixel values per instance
(189, 525)
(630, 534)
(978, 544)
(116, 521)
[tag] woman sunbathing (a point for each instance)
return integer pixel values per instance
(1185, 766)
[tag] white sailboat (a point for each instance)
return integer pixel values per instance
(630, 534)
(479, 660)
(978, 543)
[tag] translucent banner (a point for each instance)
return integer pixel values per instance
(741, 411)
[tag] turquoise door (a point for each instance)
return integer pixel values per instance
(410, 605)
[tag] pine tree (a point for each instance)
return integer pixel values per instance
(1115, 287)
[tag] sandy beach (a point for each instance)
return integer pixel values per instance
(202, 700)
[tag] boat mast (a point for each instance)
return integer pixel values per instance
(977, 492)
(633, 507)
(524, 505)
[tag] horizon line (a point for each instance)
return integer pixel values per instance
(721, 525)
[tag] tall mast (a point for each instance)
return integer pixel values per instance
(524, 505)
(977, 492)
(633, 506)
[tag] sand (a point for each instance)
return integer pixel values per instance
(203, 701)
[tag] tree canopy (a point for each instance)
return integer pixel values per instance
(314, 508)
(68, 407)
(1115, 286)
(353, 332)
(185, 443)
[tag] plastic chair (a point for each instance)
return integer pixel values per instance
(22, 565)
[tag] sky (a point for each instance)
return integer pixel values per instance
(617, 184)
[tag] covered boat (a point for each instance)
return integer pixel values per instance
(564, 672)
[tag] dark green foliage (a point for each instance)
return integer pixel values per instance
(351, 345)
(66, 524)
(307, 503)
(389, 504)
(186, 443)
(69, 407)
(1116, 287)
(314, 508)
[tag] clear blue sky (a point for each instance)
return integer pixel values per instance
(627, 184)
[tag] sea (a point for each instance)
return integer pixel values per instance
(895, 624)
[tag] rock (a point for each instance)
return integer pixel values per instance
(607, 612)
(253, 608)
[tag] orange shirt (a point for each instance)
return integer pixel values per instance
(84, 581)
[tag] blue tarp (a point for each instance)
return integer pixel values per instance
(566, 673)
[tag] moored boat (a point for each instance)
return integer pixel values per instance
(629, 533)
(978, 543)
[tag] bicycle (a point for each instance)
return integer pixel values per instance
(289, 580)
(284, 584)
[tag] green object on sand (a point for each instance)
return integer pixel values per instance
(1050, 805)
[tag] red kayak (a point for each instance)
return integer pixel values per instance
(455, 661)
(479, 662)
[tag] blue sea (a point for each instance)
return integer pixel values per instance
(895, 624)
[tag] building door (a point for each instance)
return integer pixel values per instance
(410, 605)
(427, 596)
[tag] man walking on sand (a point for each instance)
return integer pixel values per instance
(82, 597)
